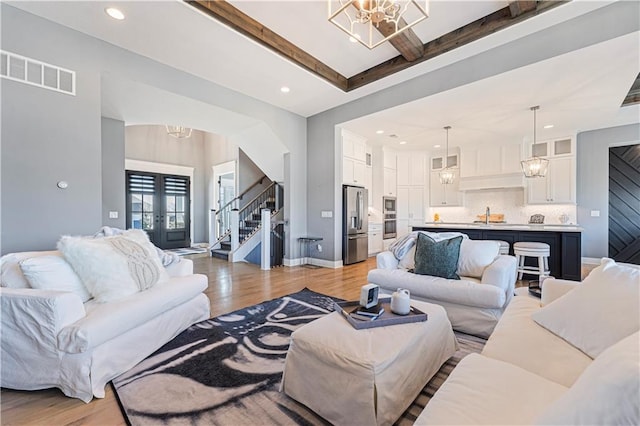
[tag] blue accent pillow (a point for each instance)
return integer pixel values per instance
(437, 258)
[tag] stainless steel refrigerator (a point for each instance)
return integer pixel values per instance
(355, 241)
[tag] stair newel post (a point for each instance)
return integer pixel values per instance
(277, 196)
(212, 228)
(265, 237)
(235, 229)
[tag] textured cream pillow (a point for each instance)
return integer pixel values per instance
(607, 392)
(114, 267)
(475, 256)
(53, 273)
(601, 311)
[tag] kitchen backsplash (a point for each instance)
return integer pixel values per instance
(508, 201)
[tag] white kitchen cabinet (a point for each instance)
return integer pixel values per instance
(354, 172)
(354, 146)
(558, 186)
(490, 160)
(354, 157)
(410, 204)
(443, 195)
(389, 183)
(376, 244)
(411, 168)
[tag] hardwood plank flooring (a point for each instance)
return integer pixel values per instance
(231, 286)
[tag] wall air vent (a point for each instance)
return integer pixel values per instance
(36, 73)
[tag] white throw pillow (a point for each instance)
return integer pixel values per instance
(475, 256)
(53, 273)
(607, 392)
(11, 275)
(601, 311)
(114, 267)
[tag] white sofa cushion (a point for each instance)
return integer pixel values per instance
(475, 256)
(484, 391)
(434, 288)
(53, 273)
(607, 393)
(11, 275)
(106, 321)
(600, 312)
(518, 340)
(114, 267)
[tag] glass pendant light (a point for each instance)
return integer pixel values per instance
(447, 174)
(534, 166)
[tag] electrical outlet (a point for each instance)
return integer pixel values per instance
(595, 213)
(113, 215)
(319, 247)
(326, 213)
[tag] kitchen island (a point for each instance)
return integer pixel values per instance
(565, 241)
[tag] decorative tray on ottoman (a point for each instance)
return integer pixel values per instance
(386, 318)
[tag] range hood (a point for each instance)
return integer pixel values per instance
(477, 183)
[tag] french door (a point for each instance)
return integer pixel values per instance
(159, 204)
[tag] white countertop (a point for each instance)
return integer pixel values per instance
(506, 226)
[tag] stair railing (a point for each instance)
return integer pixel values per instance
(249, 215)
(220, 220)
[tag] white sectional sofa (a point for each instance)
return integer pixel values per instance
(474, 303)
(53, 339)
(526, 374)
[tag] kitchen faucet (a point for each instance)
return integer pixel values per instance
(487, 214)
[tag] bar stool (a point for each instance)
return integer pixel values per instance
(531, 249)
(504, 247)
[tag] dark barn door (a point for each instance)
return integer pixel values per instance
(624, 203)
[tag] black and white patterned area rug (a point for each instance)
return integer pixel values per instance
(227, 370)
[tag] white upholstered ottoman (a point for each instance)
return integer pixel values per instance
(365, 377)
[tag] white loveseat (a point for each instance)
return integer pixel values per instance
(53, 339)
(474, 303)
(528, 375)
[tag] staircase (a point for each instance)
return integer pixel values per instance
(249, 220)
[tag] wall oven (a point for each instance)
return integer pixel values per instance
(389, 210)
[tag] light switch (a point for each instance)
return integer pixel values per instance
(327, 213)
(595, 213)
(113, 215)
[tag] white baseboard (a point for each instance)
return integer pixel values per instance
(334, 264)
(591, 260)
(313, 261)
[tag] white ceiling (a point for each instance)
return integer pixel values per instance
(578, 91)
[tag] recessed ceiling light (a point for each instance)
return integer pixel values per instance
(285, 89)
(115, 13)
(403, 142)
(436, 146)
(379, 132)
(548, 126)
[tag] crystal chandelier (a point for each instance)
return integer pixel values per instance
(534, 166)
(179, 132)
(362, 19)
(447, 174)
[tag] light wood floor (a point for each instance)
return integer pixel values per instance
(231, 287)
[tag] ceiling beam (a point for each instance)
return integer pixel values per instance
(476, 30)
(517, 8)
(406, 43)
(225, 13)
(633, 97)
(515, 12)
